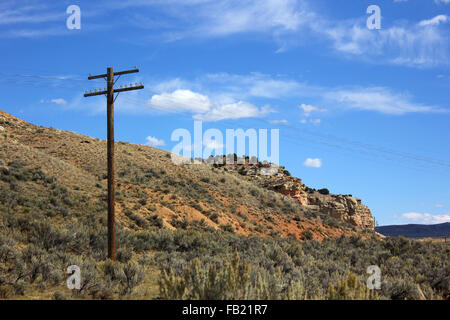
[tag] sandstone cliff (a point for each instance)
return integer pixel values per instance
(343, 207)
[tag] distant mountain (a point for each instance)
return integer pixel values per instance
(416, 230)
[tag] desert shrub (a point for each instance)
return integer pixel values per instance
(402, 289)
(242, 171)
(141, 222)
(90, 279)
(214, 217)
(350, 288)
(156, 221)
(227, 227)
(133, 275)
(242, 215)
(207, 282)
(7, 252)
(58, 295)
(234, 279)
(124, 254)
(6, 291)
(307, 235)
(324, 191)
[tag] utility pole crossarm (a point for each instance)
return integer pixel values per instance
(99, 93)
(129, 88)
(115, 74)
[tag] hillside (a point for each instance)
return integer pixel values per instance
(151, 187)
(416, 230)
(187, 232)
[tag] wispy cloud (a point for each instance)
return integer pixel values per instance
(257, 85)
(406, 44)
(381, 100)
(253, 16)
(59, 101)
(28, 14)
(288, 22)
(410, 43)
(308, 109)
(276, 122)
(215, 97)
(442, 18)
(35, 19)
(220, 93)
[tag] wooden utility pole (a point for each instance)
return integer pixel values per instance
(109, 92)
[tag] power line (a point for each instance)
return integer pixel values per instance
(43, 77)
(356, 148)
(330, 141)
(371, 147)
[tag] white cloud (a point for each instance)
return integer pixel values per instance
(426, 218)
(313, 121)
(256, 85)
(236, 110)
(170, 85)
(154, 142)
(381, 100)
(439, 205)
(59, 101)
(222, 17)
(229, 96)
(28, 14)
(204, 108)
(213, 145)
(408, 44)
(442, 18)
(180, 100)
(279, 122)
(287, 22)
(313, 163)
(308, 109)
(442, 1)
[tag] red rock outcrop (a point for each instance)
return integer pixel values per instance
(342, 207)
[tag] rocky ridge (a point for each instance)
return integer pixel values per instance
(343, 207)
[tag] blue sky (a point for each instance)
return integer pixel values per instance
(362, 112)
